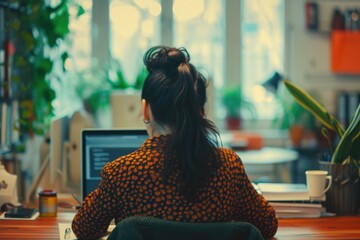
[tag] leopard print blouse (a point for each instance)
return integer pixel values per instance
(133, 185)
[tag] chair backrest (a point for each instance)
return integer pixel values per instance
(150, 228)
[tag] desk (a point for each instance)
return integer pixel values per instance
(346, 227)
(41, 228)
(258, 163)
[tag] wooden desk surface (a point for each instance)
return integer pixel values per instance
(344, 227)
(347, 227)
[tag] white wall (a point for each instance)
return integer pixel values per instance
(307, 54)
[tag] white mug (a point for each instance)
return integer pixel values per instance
(315, 182)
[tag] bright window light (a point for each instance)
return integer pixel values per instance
(147, 28)
(142, 3)
(185, 10)
(262, 52)
(155, 9)
(123, 13)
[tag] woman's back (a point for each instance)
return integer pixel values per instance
(136, 187)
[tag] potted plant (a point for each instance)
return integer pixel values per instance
(95, 86)
(299, 122)
(234, 103)
(344, 162)
(39, 31)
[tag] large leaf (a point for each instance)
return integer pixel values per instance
(310, 104)
(355, 151)
(80, 11)
(345, 145)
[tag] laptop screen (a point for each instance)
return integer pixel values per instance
(100, 146)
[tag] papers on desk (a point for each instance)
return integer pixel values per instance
(291, 200)
(65, 231)
(284, 192)
(297, 210)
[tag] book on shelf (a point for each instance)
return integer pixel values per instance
(284, 191)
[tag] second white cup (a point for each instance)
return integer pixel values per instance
(316, 182)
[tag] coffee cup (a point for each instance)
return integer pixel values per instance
(316, 183)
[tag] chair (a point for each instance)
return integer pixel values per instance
(150, 228)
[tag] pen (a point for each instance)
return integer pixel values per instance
(76, 198)
(67, 233)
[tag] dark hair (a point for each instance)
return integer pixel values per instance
(176, 92)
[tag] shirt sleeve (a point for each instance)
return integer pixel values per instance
(251, 206)
(97, 210)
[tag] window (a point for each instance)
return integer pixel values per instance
(261, 51)
(200, 29)
(134, 27)
(79, 59)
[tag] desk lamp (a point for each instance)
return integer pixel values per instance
(272, 84)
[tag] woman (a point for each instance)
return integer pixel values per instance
(179, 173)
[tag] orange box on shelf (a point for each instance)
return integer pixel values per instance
(345, 52)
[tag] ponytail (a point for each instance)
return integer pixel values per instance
(176, 92)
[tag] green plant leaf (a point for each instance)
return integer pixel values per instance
(61, 23)
(345, 146)
(15, 24)
(232, 100)
(45, 64)
(355, 150)
(28, 40)
(305, 100)
(80, 11)
(20, 61)
(121, 82)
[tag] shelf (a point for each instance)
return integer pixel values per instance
(345, 51)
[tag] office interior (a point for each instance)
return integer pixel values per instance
(244, 46)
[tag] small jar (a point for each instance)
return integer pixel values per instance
(48, 203)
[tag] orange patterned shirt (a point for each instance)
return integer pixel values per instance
(132, 185)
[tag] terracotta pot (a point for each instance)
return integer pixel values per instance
(343, 196)
(233, 123)
(296, 132)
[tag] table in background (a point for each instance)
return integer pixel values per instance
(346, 227)
(258, 162)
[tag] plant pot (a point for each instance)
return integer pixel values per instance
(344, 194)
(296, 133)
(233, 123)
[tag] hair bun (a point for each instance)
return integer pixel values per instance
(165, 58)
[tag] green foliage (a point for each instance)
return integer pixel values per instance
(93, 88)
(234, 102)
(94, 84)
(39, 32)
(348, 147)
(293, 113)
(115, 75)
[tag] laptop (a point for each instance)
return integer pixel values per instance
(100, 146)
